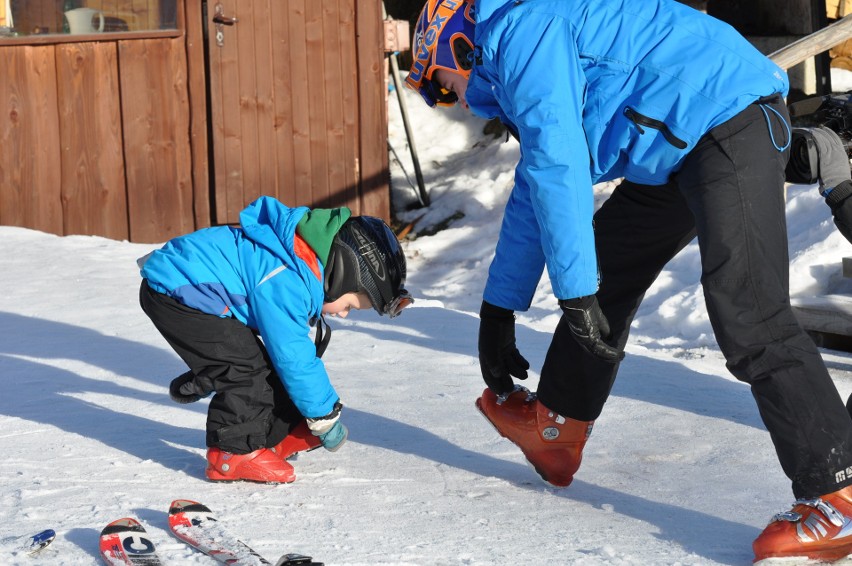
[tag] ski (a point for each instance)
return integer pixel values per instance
(196, 525)
(29, 545)
(125, 542)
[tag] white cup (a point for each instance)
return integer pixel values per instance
(81, 20)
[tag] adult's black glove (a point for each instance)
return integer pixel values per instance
(589, 327)
(841, 208)
(499, 358)
(187, 388)
(832, 158)
(835, 177)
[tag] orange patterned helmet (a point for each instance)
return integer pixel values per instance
(443, 39)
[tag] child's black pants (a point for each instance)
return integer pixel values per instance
(729, 193)
(250, 408)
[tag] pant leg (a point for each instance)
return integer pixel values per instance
(250, 408)
(637, 231)
(733, 182)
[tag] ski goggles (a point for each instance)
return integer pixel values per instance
(434, 94)
(393, 308)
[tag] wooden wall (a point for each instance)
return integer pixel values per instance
(297, 108)
(95, 139)
(108, 134)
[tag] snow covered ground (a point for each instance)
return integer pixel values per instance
(679, 469)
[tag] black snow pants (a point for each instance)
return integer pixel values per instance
(250, 408)
(730, 193)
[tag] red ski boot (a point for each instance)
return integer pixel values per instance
(552, 443)
(300, 439)
(262, 465)
(819, 529)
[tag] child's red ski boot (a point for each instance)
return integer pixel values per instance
(262, 465)
(819, 529)
(300, 439)
(553, 444)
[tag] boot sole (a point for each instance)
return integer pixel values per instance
(266, 482)
(802, 560)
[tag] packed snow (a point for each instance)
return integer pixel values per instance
(679, 469)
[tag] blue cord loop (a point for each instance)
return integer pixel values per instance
(766, 109)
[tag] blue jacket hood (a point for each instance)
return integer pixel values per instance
(271, 224)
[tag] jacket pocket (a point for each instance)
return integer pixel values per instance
(641, 120)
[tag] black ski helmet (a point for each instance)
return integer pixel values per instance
(366, 256)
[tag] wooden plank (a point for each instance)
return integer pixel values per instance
(827, 316)
(227, 121)
(197, 86)
(243, 34)
(335, 156)
(374, 173)
(316, 108)
(300, 100)
(94, 197)
(155, 112)
(283, 110)
(349, 99)
(68, 38)
(813, 44)
(264, 94)
(29, 136)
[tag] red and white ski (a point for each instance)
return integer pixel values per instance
(125, 542)
(196, 525)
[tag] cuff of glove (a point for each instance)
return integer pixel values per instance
(492, 312)
(579, 303)
(838, 194)
(321, 425)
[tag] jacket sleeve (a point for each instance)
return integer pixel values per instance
(518, 260)
(281, 308)
(540, 71)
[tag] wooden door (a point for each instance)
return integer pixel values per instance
(286, 111)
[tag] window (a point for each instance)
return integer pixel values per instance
(20, 18)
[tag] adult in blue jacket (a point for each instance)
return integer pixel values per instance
(692, 119)
(237, 305)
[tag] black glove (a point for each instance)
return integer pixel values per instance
(499, 358)
(833, 161)
(835, 177)
(186, 388)
(841, 208)
(589, 327)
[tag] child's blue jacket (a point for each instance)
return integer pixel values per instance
(597, 90)
(254, 274)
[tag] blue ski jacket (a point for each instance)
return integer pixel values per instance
(597, 90)
(266, 277)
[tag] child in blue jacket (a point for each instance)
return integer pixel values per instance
(691, 118)
(237, 305)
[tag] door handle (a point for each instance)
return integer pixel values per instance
(224, 20)
(220, 19)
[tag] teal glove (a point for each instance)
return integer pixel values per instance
(329, 429)
(335, 437)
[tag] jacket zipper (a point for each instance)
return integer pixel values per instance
(642, 120)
